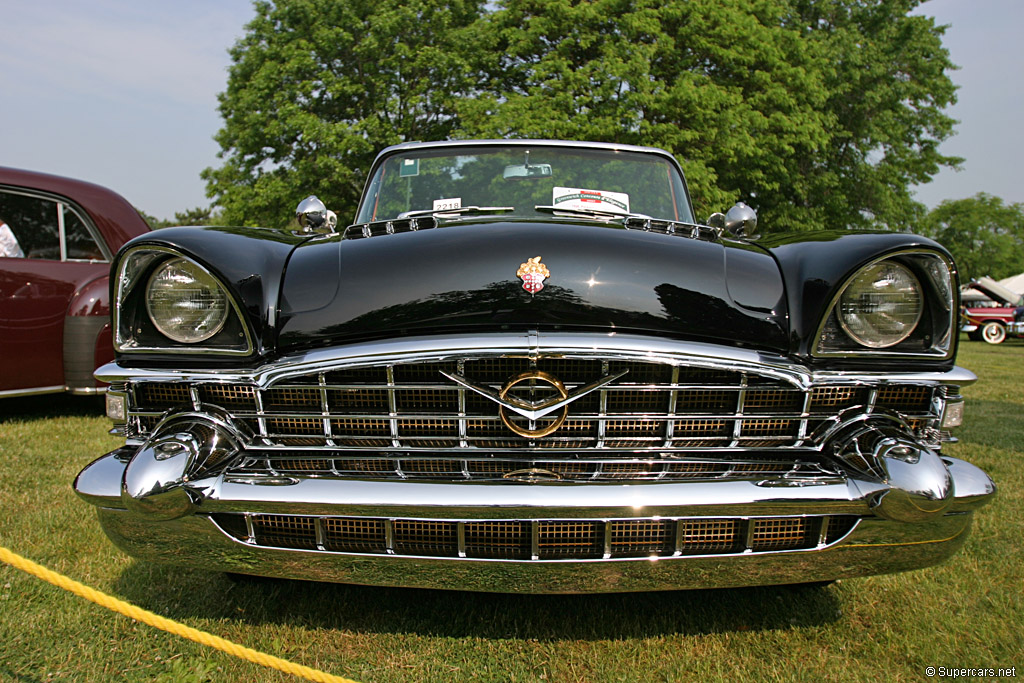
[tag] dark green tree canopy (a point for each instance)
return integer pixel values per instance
(985, 235)
(819, 113)
(318, 87)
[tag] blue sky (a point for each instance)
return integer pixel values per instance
(124, 94)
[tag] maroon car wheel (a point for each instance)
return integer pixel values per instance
(993, 332)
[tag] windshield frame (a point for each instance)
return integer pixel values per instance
(684, 202)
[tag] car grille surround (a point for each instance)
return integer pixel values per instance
(657, 421)
(538, 539)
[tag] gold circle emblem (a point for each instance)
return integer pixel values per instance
(551, 381)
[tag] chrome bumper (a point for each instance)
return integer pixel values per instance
(874, 545)
(172, 497)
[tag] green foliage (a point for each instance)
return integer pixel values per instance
(725, 86)
(819, 113)
(319, 87)
(985, 236)
(197, 216)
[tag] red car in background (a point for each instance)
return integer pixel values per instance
(57, 238)
(992, 324)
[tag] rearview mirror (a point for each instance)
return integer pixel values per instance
(525, 171)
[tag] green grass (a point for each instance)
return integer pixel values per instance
(968, 612)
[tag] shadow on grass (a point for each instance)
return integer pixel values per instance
(50, 405)
(8, 675)
(189, 594)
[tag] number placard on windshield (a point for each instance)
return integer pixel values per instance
(447, 204)
(578, 199)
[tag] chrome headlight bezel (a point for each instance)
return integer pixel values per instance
(933, 334)
(135, 329)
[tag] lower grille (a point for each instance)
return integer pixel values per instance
(537, 539)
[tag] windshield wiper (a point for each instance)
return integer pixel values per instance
(461, 211)
(587, 213)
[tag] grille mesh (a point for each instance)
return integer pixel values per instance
(538, 540)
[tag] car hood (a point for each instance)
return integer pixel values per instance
(463, 276)
(996, 291)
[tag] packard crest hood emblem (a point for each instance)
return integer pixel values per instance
(533, 273)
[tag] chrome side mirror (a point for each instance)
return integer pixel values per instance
(313, 216)
(741, 220)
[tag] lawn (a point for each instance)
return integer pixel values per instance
(968, 612)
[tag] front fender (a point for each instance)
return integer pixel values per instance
(250, 262)
(87, 342)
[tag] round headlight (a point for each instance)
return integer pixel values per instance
(185, 303)
(881, 306)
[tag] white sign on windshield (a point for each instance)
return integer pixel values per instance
(448, 204)
(590, 200)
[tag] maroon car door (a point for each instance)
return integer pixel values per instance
(46, 253)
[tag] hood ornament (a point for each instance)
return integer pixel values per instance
(533, 273)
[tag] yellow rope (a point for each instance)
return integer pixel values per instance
(168, 625)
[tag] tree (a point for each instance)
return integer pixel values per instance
(985, 236)
(737, 112)
(819, 113)
(318, 87)
(197, 216)
(887, 79)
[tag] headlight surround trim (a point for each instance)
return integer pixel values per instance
(933, 337)
(134, 270)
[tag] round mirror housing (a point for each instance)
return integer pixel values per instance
(312, 214)
(741, 220)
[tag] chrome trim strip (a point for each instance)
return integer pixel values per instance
(59, 388)
(86, 391)
(61, 232)
(581, 345)
(99, 483)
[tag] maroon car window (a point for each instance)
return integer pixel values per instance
(32, 229)
(80, 244)
(33, 222)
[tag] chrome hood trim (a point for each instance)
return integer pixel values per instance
(532, 345)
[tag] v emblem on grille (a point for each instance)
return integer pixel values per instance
(533, 410)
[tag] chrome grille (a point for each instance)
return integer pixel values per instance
(343, 465)
(538, 540)
(409, 407)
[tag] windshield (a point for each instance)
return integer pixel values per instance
(516, 179)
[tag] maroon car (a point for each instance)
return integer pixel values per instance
(993, 323)
(57, 238)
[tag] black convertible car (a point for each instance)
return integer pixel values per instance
(526, 367)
